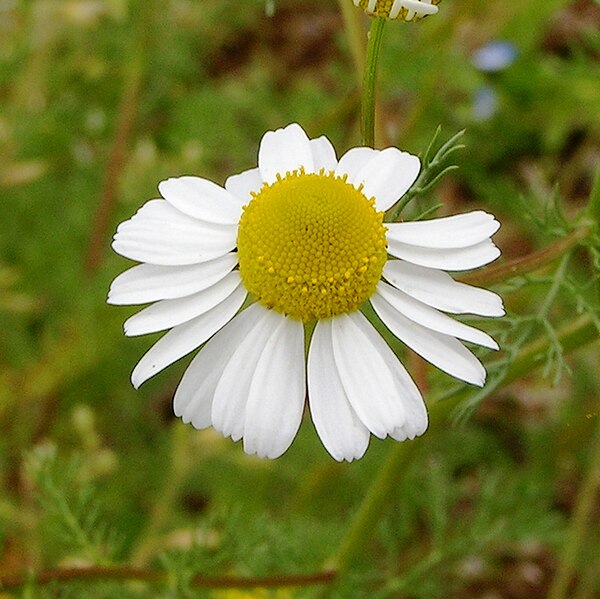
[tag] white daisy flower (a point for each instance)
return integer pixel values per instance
(404, 10)
(301, 239)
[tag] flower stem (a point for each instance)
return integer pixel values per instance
(127, 114)
(593, 210)
(367, 128)
(575, 335)
(580, 522)
(372, 507)
(593, 207)
(520, 266)
(355, 35)
(150, 542)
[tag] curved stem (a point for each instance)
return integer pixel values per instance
(580, 521)
(520, 266)
(575, 335)
(372, 507)
(150, 542)
(367, 124)
(127, 114)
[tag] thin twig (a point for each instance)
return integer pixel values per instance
(115, 165)
(355, 34)
(160, 576)
(150, 542)
(520, 266)
(581, 520)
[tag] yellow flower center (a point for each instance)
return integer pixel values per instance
(383, 8)
(311, 246)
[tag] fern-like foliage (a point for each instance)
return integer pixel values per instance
(70, 513)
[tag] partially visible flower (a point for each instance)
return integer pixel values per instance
(485, 103)
(494, 56)
(301, 240)
(404, 10)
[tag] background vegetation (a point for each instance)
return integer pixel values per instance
(100, 100)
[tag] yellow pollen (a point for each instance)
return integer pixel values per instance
(311, 246)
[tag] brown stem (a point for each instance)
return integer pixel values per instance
(529, 263)
(158, 576)
(116, 163)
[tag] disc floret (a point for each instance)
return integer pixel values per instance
(311, 246)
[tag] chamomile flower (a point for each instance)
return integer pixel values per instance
(299, 244)
(403, 10)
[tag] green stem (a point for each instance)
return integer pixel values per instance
(372, 507)
(588, 581)
(593, 209)
(520, 266)
(355, 35)
(580, 521)
(127, 113)
(575, 335)
(594, 201)
(151, 542)
(370, 81)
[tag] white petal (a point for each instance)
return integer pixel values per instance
(442, 351)
(244, 184)
(446, 259)
(418, 6)
(148, 282)
(186, 337)
(396, 8)
(439, 290)
(202, 199)
(323, 154)
(353, 160)
(459, 231)
(194, 395)
(283, 151)
(414, 407)
(172, 312)
(161, 234)
(367, 380)
(277, 392)
(431, 318)
(343, 434)
(233, 389)
(386, 176)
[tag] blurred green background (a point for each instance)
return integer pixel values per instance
(102, 99)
